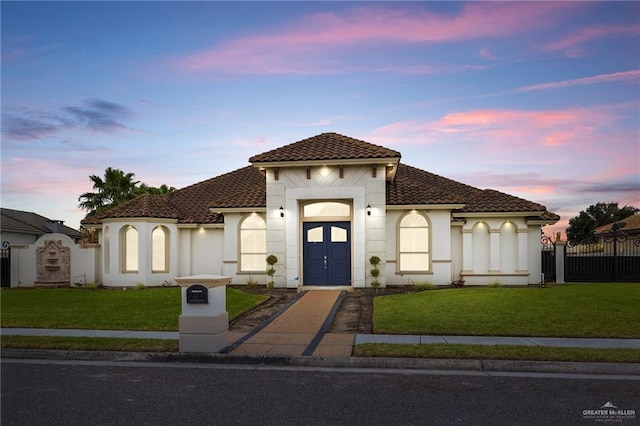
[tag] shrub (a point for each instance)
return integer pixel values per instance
(271, 260)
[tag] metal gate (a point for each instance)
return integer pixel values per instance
(614, 257)
(548, 259)
(5, 264)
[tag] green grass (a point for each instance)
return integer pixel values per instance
(89, 344)
(567, 310)
(498, 352)
(155, 309)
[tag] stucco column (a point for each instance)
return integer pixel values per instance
(494, 250)
(560, 248)
(523, 254)
(467, 250)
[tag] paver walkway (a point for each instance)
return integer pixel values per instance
(300, 330)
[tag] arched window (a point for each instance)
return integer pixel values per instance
(414, 253)
(160, 249)
(253, 244)
(130, 249)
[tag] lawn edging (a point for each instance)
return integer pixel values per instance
(481, 366)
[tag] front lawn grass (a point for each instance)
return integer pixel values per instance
(89, 343)
(497, 352)
(154, 309)
(563, 310)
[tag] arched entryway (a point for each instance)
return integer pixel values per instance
(326, 243)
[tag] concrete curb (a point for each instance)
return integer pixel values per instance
(622, 369)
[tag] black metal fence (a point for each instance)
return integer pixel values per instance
(5, 265)
(609, 258)
(612, 257)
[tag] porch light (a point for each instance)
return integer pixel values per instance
(368, 209)
(281, 210)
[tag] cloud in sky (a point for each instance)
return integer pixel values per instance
(573, 44)
(311, 46)
(632, 76)
(504, 128)
(96, 115)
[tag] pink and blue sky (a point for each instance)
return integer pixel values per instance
(537, 99)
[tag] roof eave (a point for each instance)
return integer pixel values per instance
(498, 214)
(424, 206)
(223, 210)
(390, 161)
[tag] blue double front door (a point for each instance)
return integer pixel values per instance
(327, 253)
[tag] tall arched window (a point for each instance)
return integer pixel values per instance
(253, 244)
(130, 249)
(414, 254)
(160, 249)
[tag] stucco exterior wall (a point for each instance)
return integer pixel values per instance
(24, 261)
(440, 267)
(357, 186)
(114, 275)
(498, 250)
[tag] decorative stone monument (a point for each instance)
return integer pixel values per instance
(53, 263)
(204, 323)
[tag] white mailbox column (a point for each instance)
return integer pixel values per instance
(204, 323)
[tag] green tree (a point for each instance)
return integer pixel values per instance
(115, 188)
(581, 227)
(152, 190)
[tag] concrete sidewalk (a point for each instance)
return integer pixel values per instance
(333, 339)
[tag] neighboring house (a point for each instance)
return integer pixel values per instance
(627, 237)
(629, 226)
(21, 228)
(324, 206)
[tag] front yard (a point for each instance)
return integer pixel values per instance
(566, 310)
(155, 309)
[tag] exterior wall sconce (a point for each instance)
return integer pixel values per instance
(368, 209)
(281, 210)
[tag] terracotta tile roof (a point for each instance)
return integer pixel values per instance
(326, 146)
(144, 206)
(246, 187)
(415, 186)
(489, 200)
(191, 204)
(632, 224)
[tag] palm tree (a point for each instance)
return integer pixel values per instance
(116, 188)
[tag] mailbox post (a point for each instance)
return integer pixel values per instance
(204, 323)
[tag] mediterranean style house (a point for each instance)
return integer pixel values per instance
(323, 206)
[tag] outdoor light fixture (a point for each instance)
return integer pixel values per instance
(281, 211)
(368, 209)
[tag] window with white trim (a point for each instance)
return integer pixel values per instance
(253, 244)
(413, 244)
(160, 249)
(130, 249)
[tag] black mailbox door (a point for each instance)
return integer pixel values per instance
(197, 294)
